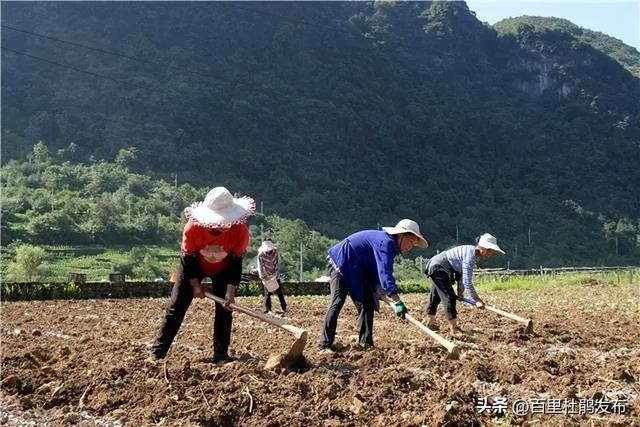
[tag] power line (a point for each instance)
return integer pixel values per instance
(210, 75)
(44, 36)
(217, 77)
(255, 88)
(102, 76)
(122, 55)
(71, 67)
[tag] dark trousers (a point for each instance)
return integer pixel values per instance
(365, 318)
(181, 297)
(442, 290)
(267, 297)
(339, 293)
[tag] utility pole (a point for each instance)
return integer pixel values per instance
(174, 201)
(262, 232)
(261, 207)
(300, 261)
(616, 245)
(529, 235)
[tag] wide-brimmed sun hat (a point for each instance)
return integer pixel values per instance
(408, 226)
(220, 209)
(266, 246)
(487, 241)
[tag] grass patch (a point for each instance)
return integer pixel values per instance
(496, 283)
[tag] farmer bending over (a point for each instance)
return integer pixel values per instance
(214, 241)
(361, 264)
(456, 264)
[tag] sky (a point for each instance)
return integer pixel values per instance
(617, 18)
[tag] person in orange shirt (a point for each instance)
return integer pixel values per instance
(214, 242)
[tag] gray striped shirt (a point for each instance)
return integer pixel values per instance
(460, 259)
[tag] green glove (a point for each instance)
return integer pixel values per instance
(400, 309)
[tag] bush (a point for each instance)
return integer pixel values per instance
(140, 264)
(27, 265)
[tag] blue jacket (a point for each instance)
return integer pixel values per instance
(365, 260)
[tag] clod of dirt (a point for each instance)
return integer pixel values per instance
(452, 406)
(72, 418)
(406, 380)
(274, 363)
(358, 404)
(285, 362)
(11, 381)
(625, 375)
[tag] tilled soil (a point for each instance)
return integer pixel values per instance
(84, 363)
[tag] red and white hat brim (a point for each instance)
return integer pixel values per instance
(238, 213)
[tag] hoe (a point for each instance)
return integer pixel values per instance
(454, 351)
(292, 359)
(511, 316)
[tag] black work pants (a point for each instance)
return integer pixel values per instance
(279, 293)
(365, 318)
(365, 309)
(442, 290)
(181, 297)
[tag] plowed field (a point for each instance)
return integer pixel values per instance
(83, 363)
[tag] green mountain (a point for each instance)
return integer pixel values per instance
(626, 55)
(345, 115)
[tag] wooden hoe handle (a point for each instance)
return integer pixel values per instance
(298, 332)
(451, 347)
(506, 314)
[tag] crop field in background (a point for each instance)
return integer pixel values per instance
(97, 262)
(83, 362)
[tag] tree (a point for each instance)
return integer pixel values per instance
(125, 156)
(384, 110)
(293, 235)
(27, 264)
(140, 264)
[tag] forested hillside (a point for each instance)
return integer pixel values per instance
(626, 55)
(345, 115)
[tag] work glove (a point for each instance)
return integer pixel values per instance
(400, 309)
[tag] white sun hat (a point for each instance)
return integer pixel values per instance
(408, 226)
(266, 246)
(487, 241)
(220, 209)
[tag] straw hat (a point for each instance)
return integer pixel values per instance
(221, 209)
(487, 241)
(266, 246)
(408, 226)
